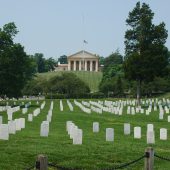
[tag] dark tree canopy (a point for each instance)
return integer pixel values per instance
(145, 53)
(16, 67)
(43, 64)
(63, 59)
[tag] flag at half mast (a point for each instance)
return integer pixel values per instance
(85, 42)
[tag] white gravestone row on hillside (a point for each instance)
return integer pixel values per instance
(84, 109)
(42, 105)
(70, 105)
(85, 103)
(44, 128)
(11, 128)
(74, 132)
(10, 111)
(61, 105)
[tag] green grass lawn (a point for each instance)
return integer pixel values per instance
(20, 151)
(91, 78)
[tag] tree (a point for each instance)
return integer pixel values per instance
(66, 83)
(50, 64)
(112, 60)
(40, 61)
(16, 67)
(63, 59)
(146, 54)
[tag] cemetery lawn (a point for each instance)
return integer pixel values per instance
(91, 78)
(20, 151)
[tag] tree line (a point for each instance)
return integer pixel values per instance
(143, 70)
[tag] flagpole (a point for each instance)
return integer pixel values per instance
(83, 41)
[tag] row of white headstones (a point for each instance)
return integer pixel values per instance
(137, 132)
(69, 105)
(17, 124)
(44, 127)
(117, 109)
(76, 134)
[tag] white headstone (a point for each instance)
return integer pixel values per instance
(9, 113)
(137, 132)
(48, 118)
(150, 127)
(77, 138)
(12, 127)
(73, 130)
(30, 117)
(127, 128)
(18, 124)
(109, 134)
(161, 115)
(44, 129)
(22, 122)
(0, 119)
(168, 118)
(95, 126)
(4, 133)
(150, 137)
(68, 124)
(24, 110)
(163, 134)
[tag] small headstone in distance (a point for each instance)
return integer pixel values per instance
(109, 134)
(127, 128)
(95, 127)
(137, 132)
(163, 134)
(150, 137)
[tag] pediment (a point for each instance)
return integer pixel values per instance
(83, 54)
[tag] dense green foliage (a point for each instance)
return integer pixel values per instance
(16, 67)
(146, 56)
(69, 84)
(43, 64)
(63, 59)
(92, 79)
(111, 84)
(66, 83)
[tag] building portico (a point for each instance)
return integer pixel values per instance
(83, 61)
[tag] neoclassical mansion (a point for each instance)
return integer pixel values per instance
(80, 61)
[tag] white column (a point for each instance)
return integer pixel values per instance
(91, 62)
(69, 65)
(74, 65)
(97, 65)
(85, 65)
(79, 65)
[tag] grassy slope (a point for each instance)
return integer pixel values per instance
(91, 78)
(21, 150)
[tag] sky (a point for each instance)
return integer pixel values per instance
(58, 27)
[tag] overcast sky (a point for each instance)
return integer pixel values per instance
(58, 27)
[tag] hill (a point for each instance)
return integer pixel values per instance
(91, 78)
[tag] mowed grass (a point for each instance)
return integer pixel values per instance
(91, 78)
(20, 151)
